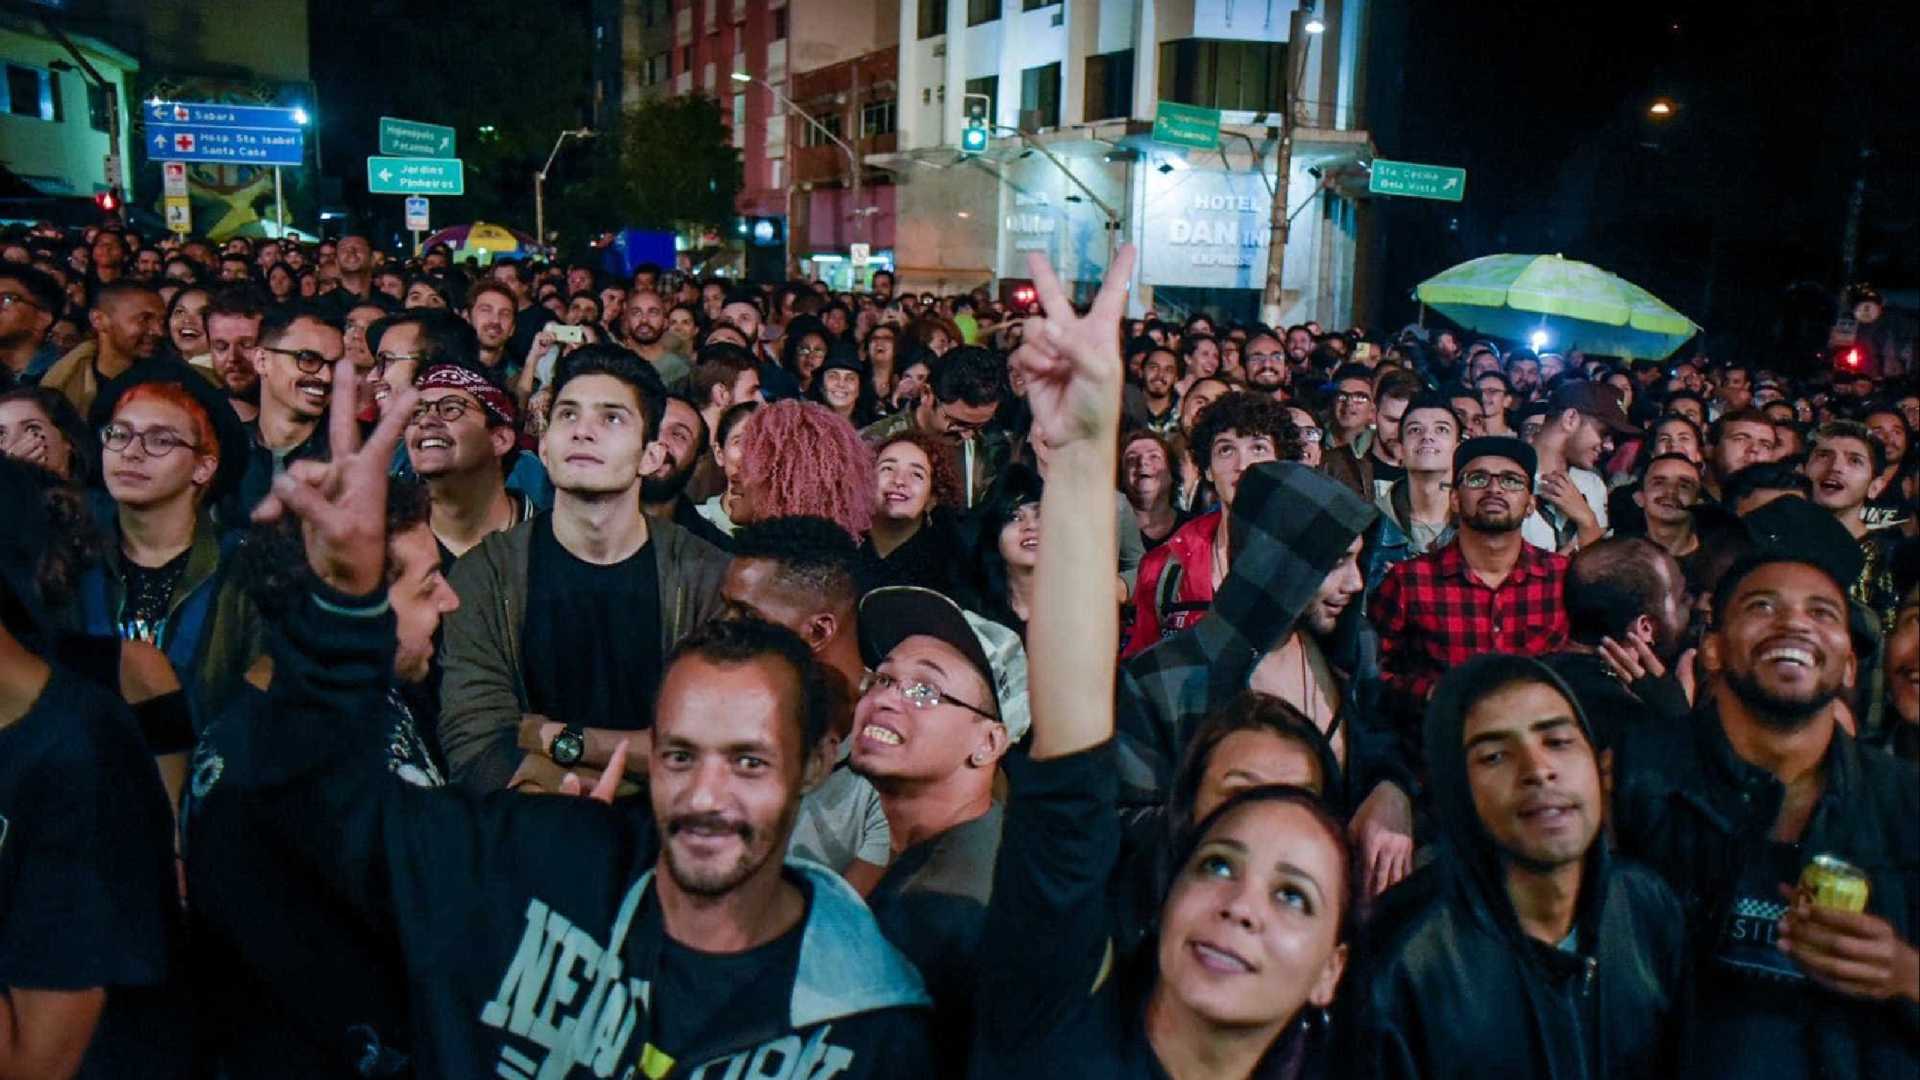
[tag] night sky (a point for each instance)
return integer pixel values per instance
(1719, 210)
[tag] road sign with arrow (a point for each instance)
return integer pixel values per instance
(412, 138)
(415, 176)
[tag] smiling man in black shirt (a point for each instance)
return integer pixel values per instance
(560, 937)
(555, 651)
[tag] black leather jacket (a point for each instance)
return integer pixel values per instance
(1689, 807)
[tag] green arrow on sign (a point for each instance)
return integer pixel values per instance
(415, 176)
(411, 138)
(1186, 125)
(1417, 181)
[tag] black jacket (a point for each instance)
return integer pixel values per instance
(527, 928)
(1455, 988)
(1686, 804)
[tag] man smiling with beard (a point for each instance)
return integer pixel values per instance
(1733, 807)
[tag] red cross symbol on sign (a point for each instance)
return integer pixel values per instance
(183, 143)
(181, 114)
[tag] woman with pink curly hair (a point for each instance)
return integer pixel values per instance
(797, 457)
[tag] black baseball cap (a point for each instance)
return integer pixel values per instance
(1597, 400)
(1504, 446)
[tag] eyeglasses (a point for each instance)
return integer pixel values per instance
(810, 351)
(382, 359)
(8, 300)
(309, 361)
(449, 409)
(1264, 357)
(1353, 397)
(1309, 434)
(1475, 481)
(918, 694)
(155, 442)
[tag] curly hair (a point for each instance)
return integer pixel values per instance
(945, 475)
(1249, 414)
(808, 461)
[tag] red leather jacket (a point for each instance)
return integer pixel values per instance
(1162, 610)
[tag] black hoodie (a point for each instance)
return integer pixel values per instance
(1456, 989)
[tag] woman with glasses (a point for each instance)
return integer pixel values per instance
(804, 350)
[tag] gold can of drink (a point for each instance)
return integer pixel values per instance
(1831, 882)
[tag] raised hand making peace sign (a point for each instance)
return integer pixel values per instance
(342, 503)
(1072, 362)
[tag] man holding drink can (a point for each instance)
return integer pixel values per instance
(1772, 822)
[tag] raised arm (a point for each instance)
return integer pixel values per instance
(1074, 374)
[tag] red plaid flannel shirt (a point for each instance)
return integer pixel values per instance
(1434, 614)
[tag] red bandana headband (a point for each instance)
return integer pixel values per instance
(456, 377)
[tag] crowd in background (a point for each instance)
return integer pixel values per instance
(988, 688)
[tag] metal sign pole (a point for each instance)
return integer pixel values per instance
(416, 243)
(279, 202)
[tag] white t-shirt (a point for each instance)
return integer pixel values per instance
(1540, 527)
(840, 821)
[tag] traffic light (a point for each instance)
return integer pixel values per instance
(979, 129)
(108, 201)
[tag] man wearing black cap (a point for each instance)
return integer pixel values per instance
(171, 448)
(946, 699)
(1486, 591)
(1582, 420)
(1733, 808)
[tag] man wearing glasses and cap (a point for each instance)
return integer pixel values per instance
(1485, 591)
(945, 699)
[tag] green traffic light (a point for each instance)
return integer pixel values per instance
(973, 139)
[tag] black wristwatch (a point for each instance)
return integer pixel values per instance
(568, 747)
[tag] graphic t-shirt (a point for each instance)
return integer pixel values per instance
(143, 614)
(590, 643)
(1755, 995)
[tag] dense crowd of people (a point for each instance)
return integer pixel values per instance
(414, 668)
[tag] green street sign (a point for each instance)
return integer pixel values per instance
(1186, 125)
(411, 138)
(1417, 181)
(415, 176)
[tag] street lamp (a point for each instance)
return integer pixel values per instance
(1661, 108)
(1313, 25)
(853, 158)
(540, 180)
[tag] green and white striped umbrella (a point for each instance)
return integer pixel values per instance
(1578, 305)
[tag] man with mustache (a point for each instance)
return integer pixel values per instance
(1486, 591)
(294, 360)
(1525, 950)
(657, 936)
(1732, 807)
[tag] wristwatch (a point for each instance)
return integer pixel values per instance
(568, 746)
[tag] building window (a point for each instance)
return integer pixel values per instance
(32, 92)
(649, 12)
(982, 11)
(1040, 97)
(1036, 5)
(97, 109)
(990, 86)
(655, 70)
(815, 137)
(1246, 75)
(876, 119)
(780, 24)
(933, 18)
(686, 58)
(1109, 86)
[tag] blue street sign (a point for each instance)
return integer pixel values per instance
(224, 145)
(204, 114)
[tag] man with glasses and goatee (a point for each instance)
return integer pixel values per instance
(1487, 590)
